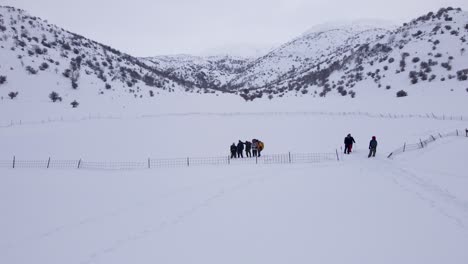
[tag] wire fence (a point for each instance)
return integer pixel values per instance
(287, 158)
(61, 119)
(423, 143)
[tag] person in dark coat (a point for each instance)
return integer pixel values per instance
(240, 149)
(348, 142)
(233, 151)
(372, 147)
(248, 147)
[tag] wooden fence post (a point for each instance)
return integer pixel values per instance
(422, 145)
(149, 163)
(188, 162)
(457, 132)
(79, 163)
(337, 156)
(404, 147)
(229, 160)
(48, 163)
(14, 161)
(289, 154)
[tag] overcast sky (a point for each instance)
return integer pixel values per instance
(157, 27)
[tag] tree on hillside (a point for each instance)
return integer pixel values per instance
(55, 97)
(74, 104)
(12, 95)
(401, 93)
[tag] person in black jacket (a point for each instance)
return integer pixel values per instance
(233, 151)
(348, 141)
(240, 149)
(372, 147)
(248, 147)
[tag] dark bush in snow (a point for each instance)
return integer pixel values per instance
(43, 66)
(462, 75)
(55, 97)
(67, 73)
(12, 95)
(391, 60)
(74, 104)
(31, 70)
(401, 93)
(415, 60)
(2, 79)
(417, 33)
(108, 86)
(446, 65)
(66, 46)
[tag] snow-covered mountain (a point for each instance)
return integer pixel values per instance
(343, 60)
(350, 58)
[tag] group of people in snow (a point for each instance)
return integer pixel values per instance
(252, 149)
(349, 141)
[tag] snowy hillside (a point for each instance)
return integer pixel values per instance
(430, 49)
(211, 72)
(38, 58)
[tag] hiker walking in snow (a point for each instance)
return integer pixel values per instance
(372, 147)
(240, 149)
(248, 147)
(233, 151)
(348, 142)
(254, 147)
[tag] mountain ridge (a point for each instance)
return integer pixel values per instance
(344, 60)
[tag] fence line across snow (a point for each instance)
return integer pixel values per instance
(287, 158)
(423, 143)
(11, 123)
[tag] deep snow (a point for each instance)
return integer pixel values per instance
(358, 211)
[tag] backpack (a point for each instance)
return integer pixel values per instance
(260, 145)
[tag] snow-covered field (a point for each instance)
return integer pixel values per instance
(412, 209)
(409, 209)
